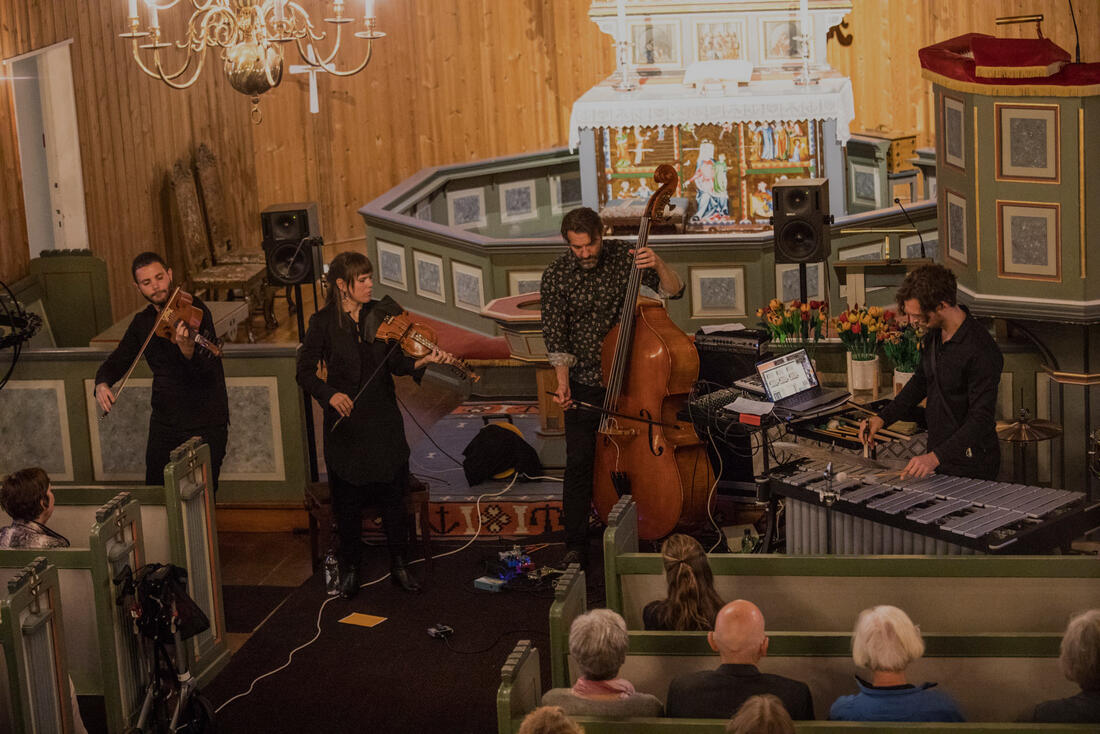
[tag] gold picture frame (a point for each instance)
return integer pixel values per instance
(1029, 240)
(717, 291)
(1028, 143)
(953, 131)
(954, 226)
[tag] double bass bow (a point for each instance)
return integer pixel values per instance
(649, 366)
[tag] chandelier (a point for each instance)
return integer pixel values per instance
(252, 35)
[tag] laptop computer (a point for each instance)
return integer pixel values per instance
(790, 382)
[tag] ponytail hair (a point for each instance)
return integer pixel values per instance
(692, 602)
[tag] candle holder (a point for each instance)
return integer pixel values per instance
(624, 71)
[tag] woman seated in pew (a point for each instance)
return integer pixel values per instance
(598, 644)
(886, 641)
(27, 497)
(763, 714)
(1080, 661)
(692, 602)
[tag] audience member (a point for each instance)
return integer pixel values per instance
(762, 714)
(549, 720)
(597, 644)
(27, 497)
(692, 602)
(1081, 664)
(740, 642)
(885, 641)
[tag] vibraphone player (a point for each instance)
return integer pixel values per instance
(959, 372)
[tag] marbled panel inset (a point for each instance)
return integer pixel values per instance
(33, 430)
(118, 440)
(254, 450)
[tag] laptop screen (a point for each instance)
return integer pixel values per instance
(788, 375)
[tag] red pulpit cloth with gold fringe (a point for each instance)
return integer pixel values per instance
(977, 62)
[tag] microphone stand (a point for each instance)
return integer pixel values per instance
(913, 224)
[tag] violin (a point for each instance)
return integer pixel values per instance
(180, 308)
(418, 339)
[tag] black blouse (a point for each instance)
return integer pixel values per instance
(369, 445)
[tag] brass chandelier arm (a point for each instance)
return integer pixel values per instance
(170, 80)
(326, 64)
(158, 71)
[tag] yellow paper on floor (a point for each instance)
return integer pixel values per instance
(363, 620)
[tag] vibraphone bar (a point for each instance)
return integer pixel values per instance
(871, 511)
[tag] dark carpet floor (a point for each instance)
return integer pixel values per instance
(247, 606)
(392, 677)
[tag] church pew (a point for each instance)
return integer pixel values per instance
(943, 594)
(34, 678)
(992, 676)
(520, 692)
(178, 523)
(102, 652)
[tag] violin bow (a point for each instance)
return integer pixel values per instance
(160, 316)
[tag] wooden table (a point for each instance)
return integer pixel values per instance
(227, 316)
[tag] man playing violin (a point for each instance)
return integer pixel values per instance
(366, 454)
(189, 397)
(582, 297)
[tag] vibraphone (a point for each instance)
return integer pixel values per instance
(871, 511)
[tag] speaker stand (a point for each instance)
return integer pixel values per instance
(311, 433)
(802, 295)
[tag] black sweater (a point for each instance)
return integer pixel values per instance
(187, 393)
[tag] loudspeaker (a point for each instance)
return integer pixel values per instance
(800, 225)
(291, 232)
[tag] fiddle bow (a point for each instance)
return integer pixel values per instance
(178, 308)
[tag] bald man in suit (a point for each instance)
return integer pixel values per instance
(740, 642)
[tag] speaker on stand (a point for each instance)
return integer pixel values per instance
(800, 224)
(292, 249)
(292, 245)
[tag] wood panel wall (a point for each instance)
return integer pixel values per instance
(454, 80)
(132, 129)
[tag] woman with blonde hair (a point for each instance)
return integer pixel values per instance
(763, 714)
(692, 602)
(885, 641)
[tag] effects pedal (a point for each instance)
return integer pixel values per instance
(441, 631)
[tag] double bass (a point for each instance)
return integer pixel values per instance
(649, 366)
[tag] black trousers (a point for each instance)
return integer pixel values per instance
(163, 441)
(348, 501)
(580, 455)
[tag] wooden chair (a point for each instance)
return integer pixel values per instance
(224, 251)
(318, 503)
(201, 272)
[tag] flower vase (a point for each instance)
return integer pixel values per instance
(900, 379)
(863, 375)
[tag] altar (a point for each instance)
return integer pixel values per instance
(734, 101)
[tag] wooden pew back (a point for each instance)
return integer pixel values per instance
(34, 679)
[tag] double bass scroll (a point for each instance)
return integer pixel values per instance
(649, 366)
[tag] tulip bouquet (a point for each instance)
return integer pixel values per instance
(785, 322)
(903, 346)
(862, 329)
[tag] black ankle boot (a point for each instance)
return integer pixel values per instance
(349, 583)
(400, 576)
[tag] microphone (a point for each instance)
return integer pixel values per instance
(910, 220)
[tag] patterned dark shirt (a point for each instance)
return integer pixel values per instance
(580, 306)
(31, 534)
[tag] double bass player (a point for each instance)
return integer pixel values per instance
(582, 295)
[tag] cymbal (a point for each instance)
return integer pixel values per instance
(841, 457)
(1027, 431)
